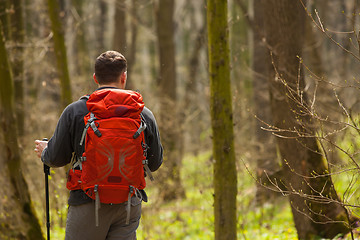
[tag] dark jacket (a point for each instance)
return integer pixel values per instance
(65, 143)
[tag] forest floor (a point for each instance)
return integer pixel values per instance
(191, 218)
(8, 215)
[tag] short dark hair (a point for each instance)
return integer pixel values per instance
(109, 66)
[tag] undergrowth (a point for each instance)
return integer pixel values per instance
(191, 218)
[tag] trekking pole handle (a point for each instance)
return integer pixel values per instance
(46, 167)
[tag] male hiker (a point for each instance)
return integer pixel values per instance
(122, 145)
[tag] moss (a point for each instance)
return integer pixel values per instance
(222, 121)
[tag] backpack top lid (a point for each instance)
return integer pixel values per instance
(110, 102)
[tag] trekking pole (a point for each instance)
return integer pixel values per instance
(47, 173)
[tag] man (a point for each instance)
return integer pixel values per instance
(110, 73)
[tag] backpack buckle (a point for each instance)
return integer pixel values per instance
(147, 169)
(141, 128)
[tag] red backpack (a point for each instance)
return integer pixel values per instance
(112, 166)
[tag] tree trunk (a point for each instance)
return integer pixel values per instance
(17, 34)
(4, 18)
(60, 53)
(225, 179)
(100, 38)
(168, 120)
(120, 31)
(12, 149)
(320, 89)
(131, 54)
(120, 43)
(190, 121)
(315, 205)
(83, 61)
(266, 159)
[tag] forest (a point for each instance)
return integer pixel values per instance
(257, 103)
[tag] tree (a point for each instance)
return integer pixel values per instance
(134, 20)
(60, 53)
(316, 207)
(12, 149)
(83, 61)
(17, 35)
(266, 159)
(120, 33)
(225, 177)
(168, 122)
(4, 18)
(190, 121)
(120, 43)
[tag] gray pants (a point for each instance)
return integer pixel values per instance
(80, 223)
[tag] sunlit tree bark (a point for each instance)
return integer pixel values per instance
(225, 179)
(314, 201)
(12, 149)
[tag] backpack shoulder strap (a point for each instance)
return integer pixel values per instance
(145, 146)
(76, 161)
(86, 97)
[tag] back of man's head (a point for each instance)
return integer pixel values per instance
(109, 66)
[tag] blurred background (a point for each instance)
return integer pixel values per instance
(47, 62)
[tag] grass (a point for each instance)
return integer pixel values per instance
(191, 218)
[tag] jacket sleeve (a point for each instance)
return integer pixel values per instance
(59, 150)
(152, 139)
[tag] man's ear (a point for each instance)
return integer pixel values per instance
(123, 77)
(96, 81)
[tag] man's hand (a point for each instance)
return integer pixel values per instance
(39, 147)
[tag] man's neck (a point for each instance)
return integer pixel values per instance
(111, 85)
